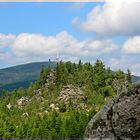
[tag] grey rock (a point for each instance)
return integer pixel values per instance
(22, 101)
(73, 94)
(119, 119)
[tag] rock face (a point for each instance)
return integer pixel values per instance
(119, 119)
(51, 79)
(71, 93)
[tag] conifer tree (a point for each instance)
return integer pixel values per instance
(42, 76)
(129, 76)
(99, 74)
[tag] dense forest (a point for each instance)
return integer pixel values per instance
(61, 102)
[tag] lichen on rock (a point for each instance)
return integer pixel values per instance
(73, 94)
(119, 119)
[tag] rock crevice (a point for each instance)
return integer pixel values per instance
(119, 119)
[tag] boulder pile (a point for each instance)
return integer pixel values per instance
(22, 102)
(70, 92)
(73, 94)
(51, 79)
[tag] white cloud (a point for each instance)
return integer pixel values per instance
(6, 40)
(39, 45)
(114, 17)
(99, 47)
(125, 62)
(27, 47)
(32, 45)
(132, 46)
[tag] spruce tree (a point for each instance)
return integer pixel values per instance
(42, 76)
(98, 74)
(129, 76)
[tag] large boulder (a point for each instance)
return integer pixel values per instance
(119, 119)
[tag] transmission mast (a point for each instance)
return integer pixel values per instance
(57, 56)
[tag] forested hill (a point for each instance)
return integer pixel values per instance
(21, 75)
(61, 102)
(135, 78)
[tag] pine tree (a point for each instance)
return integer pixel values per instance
(129, 76)
(42, 76)
(80, 65)
(98, 74)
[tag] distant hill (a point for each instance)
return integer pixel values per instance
(135, 79)
(20, 76)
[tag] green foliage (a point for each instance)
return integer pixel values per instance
(43, 75)
(99, 75)
(129, 76)
(119, 75)
(62, 107)
(37, 120)
(14, 77)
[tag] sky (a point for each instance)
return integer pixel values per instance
(109, 31)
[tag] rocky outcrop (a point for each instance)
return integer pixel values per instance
(26, 100)
(51, 79)
(70, 92)
(119, 119)
(22, 102)
(73, 94)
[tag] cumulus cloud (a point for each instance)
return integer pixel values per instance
(132, 45)
(6, 40)
(124, 63)
(27, 47)
(114, 17)
(99, 47)
(33, 44)
(38, 45)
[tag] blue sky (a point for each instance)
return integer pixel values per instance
(88, 31)
(45, 18)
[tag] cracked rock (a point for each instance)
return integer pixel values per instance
(119, 119)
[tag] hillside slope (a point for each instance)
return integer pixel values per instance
(62, 101)
(21, 75)
(135, 78)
